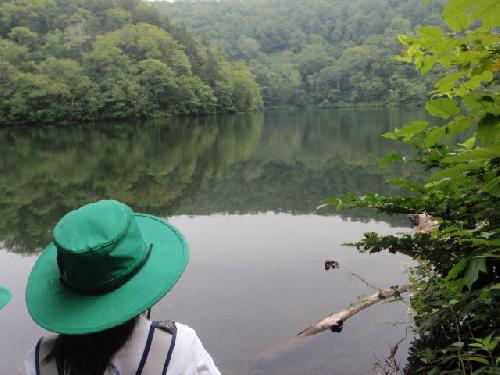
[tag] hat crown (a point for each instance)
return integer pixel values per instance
(92, 226)
(98, 246)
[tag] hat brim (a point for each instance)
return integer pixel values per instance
(4, 297)
(59, 309)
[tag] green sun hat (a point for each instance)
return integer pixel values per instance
(4, 297)
(105, 265)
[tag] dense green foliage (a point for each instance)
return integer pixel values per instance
(315, 52)
(64, 60)
(456, 296)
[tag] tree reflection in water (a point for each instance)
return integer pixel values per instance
(285, 162)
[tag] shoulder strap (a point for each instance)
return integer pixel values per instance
(156, 356)
(173, 332)
(42, 349)
(37, 356)
(146, 348)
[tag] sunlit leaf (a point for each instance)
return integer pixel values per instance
(408, 131)
(448, 82)
(430, 33)
(455, 16)
(434, 136)
(469, 143)
(488, 11)
(442, 107)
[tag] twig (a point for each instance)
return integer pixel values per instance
(363, 281)
(389, 366)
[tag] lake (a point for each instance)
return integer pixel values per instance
(244, 190)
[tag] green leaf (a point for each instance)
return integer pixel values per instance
(456, 170)
(407, 184)
(455, 16)
(434, 136)
(430, 33)
(407, 131)
(488, 130)
(469, 144)
(456, 270)
(476, 80)
(442, 107)
(477, 154)
(389, 158)
(448, 82)
(488, 11)
(493, 187)
(412, 128)
(427, 63)
(458, 126)
(475, 266)
(477, 359)
(478, 101)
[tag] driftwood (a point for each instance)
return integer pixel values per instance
(334, 322)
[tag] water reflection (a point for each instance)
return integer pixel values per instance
(46, 172)
(284, 162)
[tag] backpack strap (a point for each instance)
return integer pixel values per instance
(147, 347)
(173, 331)
(156, 357)
(37, 356)
(42, 349)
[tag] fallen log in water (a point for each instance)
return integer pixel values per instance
(334, 322)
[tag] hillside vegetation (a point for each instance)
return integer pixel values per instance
(317, 52)
(74, 60)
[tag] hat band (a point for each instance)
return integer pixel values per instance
(113, 284)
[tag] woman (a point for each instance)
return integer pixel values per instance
(94, 284)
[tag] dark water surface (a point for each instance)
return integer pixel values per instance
(244, 190)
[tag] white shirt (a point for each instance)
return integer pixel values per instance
(189, 355)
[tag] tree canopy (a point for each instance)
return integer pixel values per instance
(76, 60)
(319, 52)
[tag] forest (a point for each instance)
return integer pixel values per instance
(323, 53)
(78, 60)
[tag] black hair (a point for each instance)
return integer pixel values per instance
(89, 354)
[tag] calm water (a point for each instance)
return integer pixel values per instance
(244, 190)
